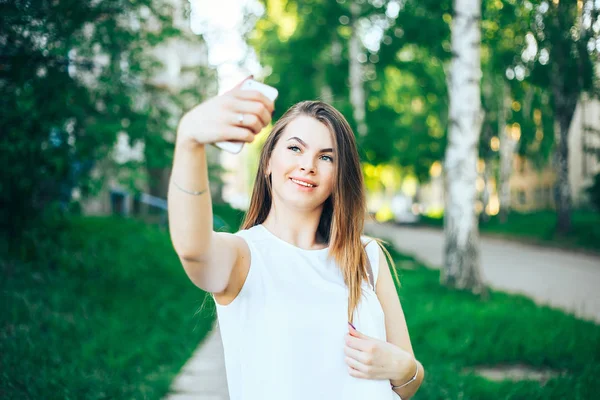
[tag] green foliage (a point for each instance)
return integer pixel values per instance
(406, 106)
(405, 74)
(231, 216)
(408, 113)
(73, 75)
(564, 30)
(298, 50)
(92, 313)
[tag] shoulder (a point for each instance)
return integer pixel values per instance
(244, 241)
(378, 254)
(249, 233)
(368, 241)
(255, 234)
(374, 253)
(372, 246)
(240, 240)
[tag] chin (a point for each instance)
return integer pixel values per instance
(306, 205)
(301, 201)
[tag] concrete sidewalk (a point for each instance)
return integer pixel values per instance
(559, 278)
(203, 376)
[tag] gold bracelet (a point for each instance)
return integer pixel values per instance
(187, 191)
(414, 378)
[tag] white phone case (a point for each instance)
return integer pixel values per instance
(270, 92)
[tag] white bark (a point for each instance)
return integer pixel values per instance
(507, 152)
(357, 90)
(562, 192)
(336, 58)
(461, 261)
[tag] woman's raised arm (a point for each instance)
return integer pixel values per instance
(207, 257)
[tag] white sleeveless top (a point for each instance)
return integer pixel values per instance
(283, 335)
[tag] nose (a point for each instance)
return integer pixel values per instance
(307, 164)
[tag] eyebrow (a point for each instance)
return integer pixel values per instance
(303, 143)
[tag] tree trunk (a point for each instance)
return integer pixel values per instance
(486, 136)
(357, 90)
(461, 261)
(159, 181)
(486, 193)
(562, 190)
(507, 153)
(565, 101)
(335, 50)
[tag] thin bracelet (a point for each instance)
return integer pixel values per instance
(414, 378)
(187, 191)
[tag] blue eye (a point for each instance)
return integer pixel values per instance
(297, 149)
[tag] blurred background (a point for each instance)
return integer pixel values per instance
(96, 304)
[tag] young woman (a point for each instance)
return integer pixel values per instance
(306, 304)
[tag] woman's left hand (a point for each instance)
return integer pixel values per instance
(370, 358)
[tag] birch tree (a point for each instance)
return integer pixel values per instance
(461, 258)
(507, 152)
(357, 90)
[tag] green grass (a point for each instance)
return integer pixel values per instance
(109, 314)
(453, 331)
(538, 227)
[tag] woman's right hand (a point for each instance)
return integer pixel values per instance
(218, 119)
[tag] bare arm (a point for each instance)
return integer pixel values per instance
(397, 330)
(208, 257)
(190, 220)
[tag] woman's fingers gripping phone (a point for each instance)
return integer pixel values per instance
(248, 121)
(239, 134)
(256, 109)
(254, 95)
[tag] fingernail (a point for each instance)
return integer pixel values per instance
(351, 325)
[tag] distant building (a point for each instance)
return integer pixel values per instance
(531, 189)
(584, 148)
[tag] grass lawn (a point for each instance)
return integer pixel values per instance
(538, 227)
(111, 315)
(454, 331)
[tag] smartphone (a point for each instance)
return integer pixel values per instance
(270, 92)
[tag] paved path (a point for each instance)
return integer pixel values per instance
(559, 278)
(203, 376)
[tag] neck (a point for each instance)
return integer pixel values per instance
(296, 227)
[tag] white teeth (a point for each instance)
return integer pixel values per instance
(302, 183)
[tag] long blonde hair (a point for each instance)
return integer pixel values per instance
(342, 219)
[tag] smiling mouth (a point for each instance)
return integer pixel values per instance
(302, 183)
